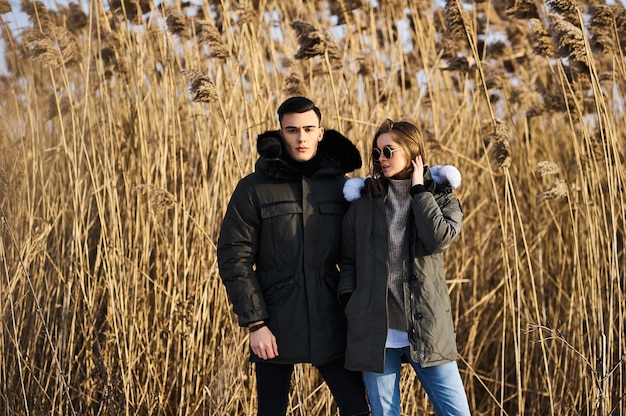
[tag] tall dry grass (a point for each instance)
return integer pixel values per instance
(126, 129)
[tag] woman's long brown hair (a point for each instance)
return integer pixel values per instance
(410, 138)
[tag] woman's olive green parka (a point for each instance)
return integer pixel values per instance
(434, 222)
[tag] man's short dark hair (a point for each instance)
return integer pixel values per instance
(297, 105)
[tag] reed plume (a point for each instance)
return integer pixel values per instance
(496, 50)
(246, 14)
(366, 65)
(567, 9)
(58, 109)
(546, 167)
(160, 199)
(68, 45)
(568, 39)
(601, 27)
(41, 48)
(208, 34)
(556, 191)
(620, 23)
(132, 10)
(458, 23)
(76, 18)
(541, 39)
(495, 81)
(598, 147)
(523, 10)
(177, 24)
(201, 88)
(37, 13)
(5, 6)
(499, 146)
(554, 102)
(110, 45)
(53, 49)
(461, 64)
(12, 170)
(343, 8)
(563, 6)
(294, 84)
(313, 42)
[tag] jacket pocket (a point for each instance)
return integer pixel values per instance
(279, 291)
(330, 276)
(332, 207)
(280, 232)
(356, 309)
(280, 208)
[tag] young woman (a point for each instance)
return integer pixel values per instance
(392, 281)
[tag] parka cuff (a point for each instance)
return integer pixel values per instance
(417, 189)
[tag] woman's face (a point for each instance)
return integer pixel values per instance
(390, 166)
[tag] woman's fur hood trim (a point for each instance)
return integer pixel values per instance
(338, 155)
(447, 176)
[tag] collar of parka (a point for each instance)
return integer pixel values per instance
(337, 156)
(443, 178)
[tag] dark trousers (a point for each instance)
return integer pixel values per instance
(273, 382)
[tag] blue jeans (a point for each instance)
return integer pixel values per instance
(442, 383)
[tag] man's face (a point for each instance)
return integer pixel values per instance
(301, 134)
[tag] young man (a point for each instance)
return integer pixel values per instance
(278, 252)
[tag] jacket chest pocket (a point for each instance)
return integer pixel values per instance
(332, 208)
(328, 228)
(332, 212)
(281, 221)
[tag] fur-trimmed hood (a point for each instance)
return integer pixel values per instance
(336, 153)
(446, 176)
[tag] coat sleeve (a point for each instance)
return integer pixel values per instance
(236, 253)
(438, 221)
(347, 266)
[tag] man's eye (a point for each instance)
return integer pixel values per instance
(309, 129)
(291, 131)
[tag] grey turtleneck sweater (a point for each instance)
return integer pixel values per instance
(397, 209)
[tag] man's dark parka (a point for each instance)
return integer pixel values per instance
(278, 250)
(434, 222)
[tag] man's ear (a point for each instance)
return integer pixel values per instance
(321, 136)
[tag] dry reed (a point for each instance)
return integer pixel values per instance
(568, 39)
(557, 190)
(5, 6)
(314, 42)
(543, 44)
(207, 34)
(4, 180)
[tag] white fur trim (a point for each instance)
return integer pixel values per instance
(352, 189)
(446, 175)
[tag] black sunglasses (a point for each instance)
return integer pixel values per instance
(387, 152)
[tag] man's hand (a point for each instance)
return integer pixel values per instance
(263, 343)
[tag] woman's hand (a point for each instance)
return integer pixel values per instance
(417, 178)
